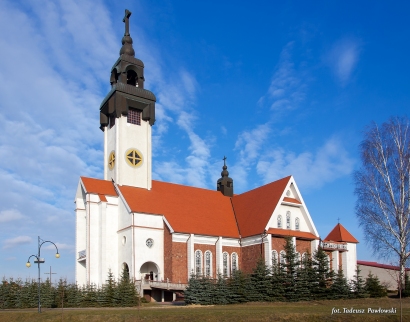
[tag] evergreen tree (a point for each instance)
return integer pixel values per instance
(305, 276)
(74, 295)
(191, 293)
(290, 269)
(221, 292)
(126, 293)
(261, 283)
(340, 288)
(47, 294)
(206, 290)
(238, 286)
(90, 295)
(373, 286)
(358, 285)
(323, 276)
(109, 290)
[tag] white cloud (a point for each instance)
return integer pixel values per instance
(10, 215)
(286, 90)
(343, 58)
(17, 241)
(311, 170)
(249, 143)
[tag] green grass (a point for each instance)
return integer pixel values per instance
(300, 312)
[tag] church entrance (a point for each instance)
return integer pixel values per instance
(149, 272)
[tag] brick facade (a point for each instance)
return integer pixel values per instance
(175, 259)
(250, 256)
(303, 246)
(278, 243)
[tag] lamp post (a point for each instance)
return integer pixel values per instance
(39, 261)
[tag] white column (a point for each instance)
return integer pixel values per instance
(267, 245)
(219, 258)
(190, 255)
(335, 262)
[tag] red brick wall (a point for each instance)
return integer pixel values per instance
(175, 259)
(250, 255)
(203, 249)
(179, 262)
(303, 246)
(167, 253)
(278, 243)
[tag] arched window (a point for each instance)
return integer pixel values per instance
(208, 263)
(328, 263)
(297, 223)
(279, 221)
(132, 78)
(198, 262)
(234, 262)
(274, 257)
(225, 260)
(282, 257)
(298, 259)
(304, 260)
(288, 220)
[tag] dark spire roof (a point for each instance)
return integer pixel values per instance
(225, 184)
(127, 40)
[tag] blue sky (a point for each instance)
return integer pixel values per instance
(279, 88)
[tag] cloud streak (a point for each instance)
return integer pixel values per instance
(16, 242)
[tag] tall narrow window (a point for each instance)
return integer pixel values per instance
(288, 220)
(297, 223)
(274, 257)
(298, 259)
(198, 262)
(134, 116)
(208, 263)
(279, 221)
(304, 260)
(282, 258)
(234, 262)
(225, 264)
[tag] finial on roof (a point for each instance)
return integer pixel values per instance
(225, 184)
(127, 40)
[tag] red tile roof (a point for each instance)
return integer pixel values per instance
(340, 234)
(98, 186)
(254, 208)
(201, 211)
(292, 233)
(292, 200)
(375, 264)
(187, 209)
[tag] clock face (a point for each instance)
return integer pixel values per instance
(111, 160)
(149, 242)
(134, 158)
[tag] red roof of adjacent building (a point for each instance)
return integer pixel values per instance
(375, 264)
(202, 211)
(340, 234)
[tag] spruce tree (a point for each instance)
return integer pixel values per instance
(373, 286)
(221, 292)
(238, 287)
(261, 283)
(109, 290)
(191, 293)
(340, 288)
(290, 269)
(126, 294)
(323, 276)
(358, 285)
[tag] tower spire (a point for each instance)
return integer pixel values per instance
(225, 183)
(127, 40)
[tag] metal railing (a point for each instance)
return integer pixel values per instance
(334, 246)
(163, 284)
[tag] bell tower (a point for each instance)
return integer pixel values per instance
(225, 183)
(127, 114)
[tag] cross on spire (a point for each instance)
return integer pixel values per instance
(224, 160)
(127, 22)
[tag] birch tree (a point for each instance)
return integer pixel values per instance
(382, 190)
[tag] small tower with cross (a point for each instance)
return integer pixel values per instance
(126, 116)
(225, 183)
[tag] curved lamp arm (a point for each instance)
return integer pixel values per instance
(47, 241)
(28, 264)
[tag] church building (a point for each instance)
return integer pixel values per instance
(162, 232)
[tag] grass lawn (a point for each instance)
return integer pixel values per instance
(300, 312)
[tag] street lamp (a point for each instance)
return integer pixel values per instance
(39, 261)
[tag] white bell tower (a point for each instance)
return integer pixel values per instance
(126, 116)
